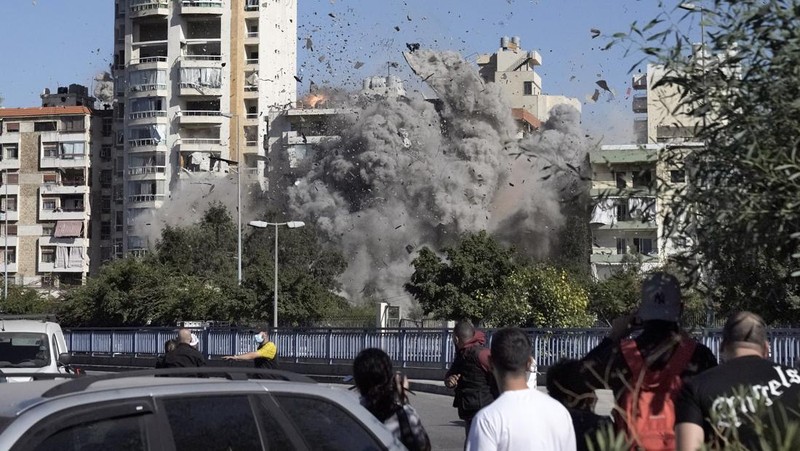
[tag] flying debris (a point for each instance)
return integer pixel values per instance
(603, 85)
(410, 248)
(396, 28)
(412, 47)
(299, 79)
(332, 15)
(595, 32)
(309, 44)
(596, 95)
(358, 65)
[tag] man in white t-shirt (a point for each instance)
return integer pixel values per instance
(521, 418)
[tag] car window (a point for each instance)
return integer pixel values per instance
(212, 423)
(23, 350)
(123, 434)
(326, 426)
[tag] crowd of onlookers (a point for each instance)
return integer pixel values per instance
(669, 390)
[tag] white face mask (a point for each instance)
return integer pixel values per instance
(258, 338)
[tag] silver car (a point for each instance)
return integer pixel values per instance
(137, 411)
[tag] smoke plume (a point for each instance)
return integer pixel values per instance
(405, 175)
(104, 87)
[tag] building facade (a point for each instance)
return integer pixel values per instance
(513, 70)
(45, 196)
(195, 82)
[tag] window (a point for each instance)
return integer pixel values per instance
(677, 176)
(48, 255)
(72, 150)
(107, 126)
(72, 124)
(105, 152)
(10, 152)
(11, 255)
(49, 204)
(619, 177)
(124, 433)
(642, 179)
(118, 222)
(527, 88)
(48, 229)
(50, 178)
(105, 230)
(12, 127)
(8, 204)
(105, 204)
(644, 246)
(12, 229)
(49, 126)
(216, 422)
(622, 247)
(105, 178)
(324, 422)
(50, 150)
(623, 212)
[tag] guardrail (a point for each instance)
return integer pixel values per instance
(430, 348)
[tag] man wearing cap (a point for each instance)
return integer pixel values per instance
(185, 355)
(658, 339)
(744, 386)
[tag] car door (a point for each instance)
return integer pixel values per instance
(221, 422)
(127, 425)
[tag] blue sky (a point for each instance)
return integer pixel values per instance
(57, 42)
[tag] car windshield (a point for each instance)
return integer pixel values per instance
(23, 350)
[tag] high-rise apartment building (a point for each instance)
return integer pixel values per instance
(195, 81)
(44, 197)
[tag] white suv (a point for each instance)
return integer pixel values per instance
(31, 346)
(136, 411)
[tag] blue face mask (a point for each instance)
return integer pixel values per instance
(258, 338)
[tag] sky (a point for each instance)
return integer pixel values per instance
(52, 43)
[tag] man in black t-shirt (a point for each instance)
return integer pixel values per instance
(744, 387)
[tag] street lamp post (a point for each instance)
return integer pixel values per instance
(263, 225)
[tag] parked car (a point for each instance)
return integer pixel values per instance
(137, 411)
(32, 346)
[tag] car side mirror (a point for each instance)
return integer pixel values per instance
(64, 358)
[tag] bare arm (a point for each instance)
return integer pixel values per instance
(689, 436)
(249, 356)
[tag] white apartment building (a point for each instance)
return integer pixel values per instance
(195, 81)
(513, 70)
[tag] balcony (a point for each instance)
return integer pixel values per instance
(13, 215)
(150, 62)
(148, 90)
(202, 7)
(251, 92)
(63, 214)
(147, 8)
(9, 163)
(195, 89)
(12, 267)
(65, 161)
(147, 173)
(252, 62)
(147, 117)
(251, 37)
(12, 189)
(200, 145)
(68, 255)
(76, 186)
(639, 104)
(192, 117)
(146, 200)
(146, 145)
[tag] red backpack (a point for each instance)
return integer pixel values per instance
(646, 411)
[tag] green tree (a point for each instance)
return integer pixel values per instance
(467, 284)
(552, 297)
(27, 301)
(617, 295)
(741, 205)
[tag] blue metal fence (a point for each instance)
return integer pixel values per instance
(407, 347)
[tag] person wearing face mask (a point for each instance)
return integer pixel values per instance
(265, 356)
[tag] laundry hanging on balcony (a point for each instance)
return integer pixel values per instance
(68, 257)
(604, 212)
(68, 229)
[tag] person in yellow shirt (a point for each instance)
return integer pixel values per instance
(265, 356)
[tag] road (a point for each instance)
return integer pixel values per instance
(441, 421)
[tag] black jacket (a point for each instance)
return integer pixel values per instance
(184, 356)
(476, 387)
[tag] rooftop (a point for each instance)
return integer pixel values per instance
(43, 111)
